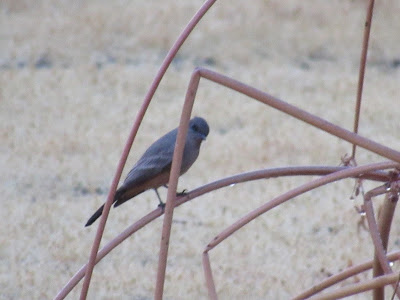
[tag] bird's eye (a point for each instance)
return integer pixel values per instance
(195, 127)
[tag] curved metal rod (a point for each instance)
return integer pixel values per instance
(334, 279)
(172, 186)
(146, 102)
(380, 251)
(345, 173)
(357, 288)
(225, 182)
(385, 220)
(361, 72)
(350, 172)
(300, 114)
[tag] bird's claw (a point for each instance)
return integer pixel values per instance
(161, 205)
(183, 193)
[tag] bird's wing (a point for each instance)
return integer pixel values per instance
(156, 159)
(147, 168)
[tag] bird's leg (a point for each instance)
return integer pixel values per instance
(178, 194)
(162, 204)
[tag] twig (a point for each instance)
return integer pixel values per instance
(361, 75)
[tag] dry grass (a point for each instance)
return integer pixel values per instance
(72, 77)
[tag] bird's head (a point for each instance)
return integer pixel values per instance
(199, 127)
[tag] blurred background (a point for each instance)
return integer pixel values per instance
(73, 75)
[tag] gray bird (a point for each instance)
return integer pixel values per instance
(153, 168)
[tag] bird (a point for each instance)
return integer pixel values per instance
(152, 170)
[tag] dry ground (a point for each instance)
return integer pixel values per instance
(73, 75)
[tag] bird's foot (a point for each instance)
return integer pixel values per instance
(162, 205)
(183, 193)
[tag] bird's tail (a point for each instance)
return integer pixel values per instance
(98, 212)
(95, 216)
